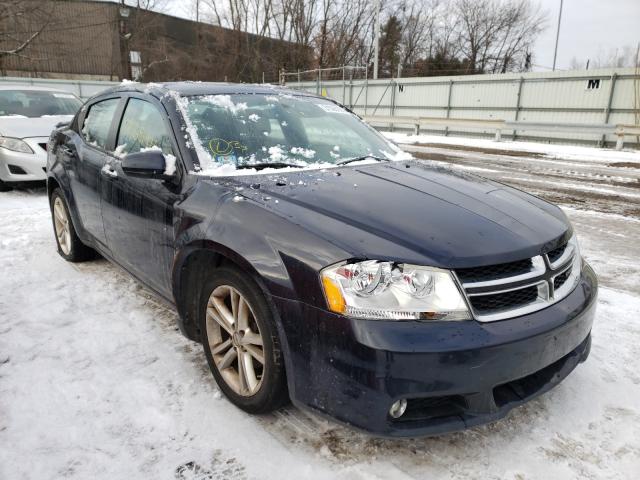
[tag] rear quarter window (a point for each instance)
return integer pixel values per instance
(97, 122)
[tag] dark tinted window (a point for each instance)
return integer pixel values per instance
(35, 103)
(143, 127)
(98, 122)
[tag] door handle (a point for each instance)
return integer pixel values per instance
(109, 172)
(67, 151)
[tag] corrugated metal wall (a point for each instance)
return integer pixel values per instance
(558, 97)
(594, 97)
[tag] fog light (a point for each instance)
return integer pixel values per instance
(398, 408)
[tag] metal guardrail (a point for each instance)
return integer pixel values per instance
(498, 126)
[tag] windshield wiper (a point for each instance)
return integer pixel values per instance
(263, 165)
(363, 157)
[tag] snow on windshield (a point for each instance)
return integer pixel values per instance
(246, 133)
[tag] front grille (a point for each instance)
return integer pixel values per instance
(504, 300)
(525, 387)
(556, 253)
(561, 279)
(491, 272)
(508, 290)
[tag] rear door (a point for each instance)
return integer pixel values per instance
(87, 154)
(138, 212)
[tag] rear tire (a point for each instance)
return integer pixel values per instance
(241, 342)
(70, 247)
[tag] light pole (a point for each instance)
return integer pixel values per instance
(376, 44)
(555, 52)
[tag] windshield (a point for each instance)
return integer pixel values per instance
(33, 103)
(253, 129)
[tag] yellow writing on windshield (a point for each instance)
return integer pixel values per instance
(220, 146)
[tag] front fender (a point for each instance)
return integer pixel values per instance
(215, 223)
(284, 255)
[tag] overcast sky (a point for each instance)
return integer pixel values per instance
(589, 28)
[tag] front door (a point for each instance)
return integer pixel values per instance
(138, 212)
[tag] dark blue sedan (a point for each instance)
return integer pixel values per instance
(316, 262)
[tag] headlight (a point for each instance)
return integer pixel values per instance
(15, 145)
(384, 290)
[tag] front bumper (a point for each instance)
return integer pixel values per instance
(27, 167)
(454, 374)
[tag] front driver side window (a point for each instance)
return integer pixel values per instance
(97, 123)
(143, 127)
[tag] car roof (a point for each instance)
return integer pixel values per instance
(205, 88)
(32, 88)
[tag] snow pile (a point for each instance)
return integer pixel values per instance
(170, 164)
(119, 151)
(305, 152)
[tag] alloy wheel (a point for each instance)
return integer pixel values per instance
(61, 225)
(235, 340)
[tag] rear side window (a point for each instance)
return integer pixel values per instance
(143, 127)
(98, 122)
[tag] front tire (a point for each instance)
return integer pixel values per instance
(241, 342)
(70, 247)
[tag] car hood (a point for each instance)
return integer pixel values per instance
(414, 212)
(23, 127)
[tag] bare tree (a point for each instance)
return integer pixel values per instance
(418, 19)
(496, 35)
(436, 36)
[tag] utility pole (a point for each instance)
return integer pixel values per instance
(555, 52)
(197, 10)
(123, 39)
(376, 44)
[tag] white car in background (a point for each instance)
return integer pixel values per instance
(27, 117)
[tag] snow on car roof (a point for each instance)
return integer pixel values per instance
(209, 88)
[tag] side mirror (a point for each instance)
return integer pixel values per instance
(149, 164)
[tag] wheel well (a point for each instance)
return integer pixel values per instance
(192, 273)
(52, 184)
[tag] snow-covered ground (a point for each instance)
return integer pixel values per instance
(97, 383)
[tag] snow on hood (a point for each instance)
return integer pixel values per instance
(23, 127)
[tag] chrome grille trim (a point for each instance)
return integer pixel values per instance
(564, 258)
(542, 274)
(537, 270)
(538, 304)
